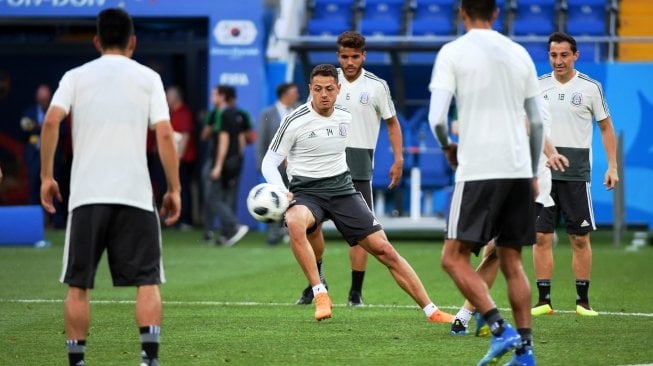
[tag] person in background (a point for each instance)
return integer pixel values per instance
(575, 100)
(115, 101)
(232, 128)
(181, 119)
(268, 123)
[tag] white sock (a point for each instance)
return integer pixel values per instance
(464, 315)
(430, 309)
(319, 289)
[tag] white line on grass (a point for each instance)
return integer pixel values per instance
(254, 303)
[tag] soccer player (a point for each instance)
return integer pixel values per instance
(495, 84)
(313, 139)
(368, 99)
(575, 100)
(489, 266)
(115, 101)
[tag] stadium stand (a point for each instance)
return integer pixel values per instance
(635, 21)
(586, 17)
(432, 17)
(534, 17)
(330, 17)
(382, 17)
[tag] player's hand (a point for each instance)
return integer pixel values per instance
(170, 207)
(50, 191)
(451, 153)
(557, 162)
(396, 171)
(216, 172)
(611, 178)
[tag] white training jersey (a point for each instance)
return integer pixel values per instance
(574, 105)
(491, 76)
(314, 145)
(113, 100)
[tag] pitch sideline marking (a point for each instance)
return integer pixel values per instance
(254, 303)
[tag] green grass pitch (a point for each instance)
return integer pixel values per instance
(235, 306)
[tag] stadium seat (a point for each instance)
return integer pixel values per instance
(539, 51)
(499, 23)
(590, 52)
(382, 17)
(586, 17)
(330, 17)
(534, 17)
(432, 17)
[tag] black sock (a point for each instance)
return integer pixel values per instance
(526, 340)
(150, 336)
(582, 288)
(357, 281)
(319, 270)
(494, 321)
(544, 290)
(76, 349)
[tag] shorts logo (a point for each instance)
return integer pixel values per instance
(364, 98)
(576, 98)
(343, 129)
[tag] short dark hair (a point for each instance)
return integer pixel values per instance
(479, 9)
(283, 89)
(114, 27)
(324, 70)
(228, 91)
(351, 39)
(559, 37)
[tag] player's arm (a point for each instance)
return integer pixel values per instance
(396, 142)
(438, 109)
(49, 139)
(610, 145)
(220, 154)
(165, 140)
(262, 139)
(270, 169)
(533, 109)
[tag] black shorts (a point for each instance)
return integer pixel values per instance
(365, 188)
(500, 209)
(573, 202)
(350, 214)
(131, 237)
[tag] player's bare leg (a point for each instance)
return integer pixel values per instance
(298, 219)
(543, 264)
(582, 266)
(148, 317)
(378, 245)
(316, 238)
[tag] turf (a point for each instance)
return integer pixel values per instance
(236, 306)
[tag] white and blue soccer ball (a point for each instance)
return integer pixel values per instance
(267, 202)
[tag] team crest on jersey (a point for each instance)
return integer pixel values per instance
(576, 98)
(364, 98)
(343, 129)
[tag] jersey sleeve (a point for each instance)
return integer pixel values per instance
(599, 105)
(159, 111)
(284, 138)
(386, 106)
(532, 83)
(63, 96)
(443, 75)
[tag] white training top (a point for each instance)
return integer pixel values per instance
(113, 100)
(491, 77)
(543, 171)
(368, 99)
(573, 105)
(313, 144)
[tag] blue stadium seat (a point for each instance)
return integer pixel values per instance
(382, 17)
(586, 17)
(433, 17)
(534, 17)
(498, 24)
(330, 17)
(539, 51)
(590, 52)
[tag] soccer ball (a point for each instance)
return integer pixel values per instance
(267, 202)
